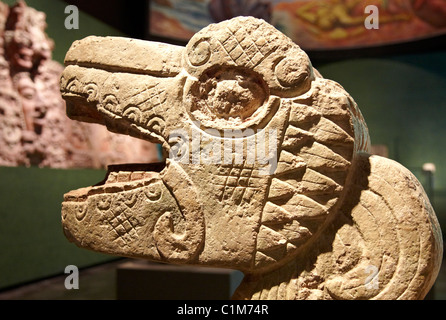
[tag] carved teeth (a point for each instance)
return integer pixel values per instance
(116, 182)
(112, 177)
(150, 175)
(77, 195)
(137, 175)
(128, 176)
(124, 176)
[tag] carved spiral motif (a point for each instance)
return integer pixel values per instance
(156, 124)
(74, 85)
(179, 149)
(199, 53)
(91, 89)
(81, 211)
(153, 192)
(134, 114)
(110, 103)
(104, 203)
(291, 72)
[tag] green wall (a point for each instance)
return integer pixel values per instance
(403, 100)
(32, 242)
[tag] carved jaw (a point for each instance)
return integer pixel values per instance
(102, 218)
(99, 87)
(148, 91)
(132, 212)
(257, 84)
(310, 229)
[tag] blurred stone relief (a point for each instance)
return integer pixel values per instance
(34, 128)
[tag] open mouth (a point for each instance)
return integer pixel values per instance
(126, 93)
(120, 177)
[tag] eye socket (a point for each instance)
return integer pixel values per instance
(232, 95)
(229, 98)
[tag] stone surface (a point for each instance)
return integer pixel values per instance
(34, 128)
(268, 169)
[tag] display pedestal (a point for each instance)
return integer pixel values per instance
(142, 280)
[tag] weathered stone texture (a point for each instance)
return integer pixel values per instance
(268, 169)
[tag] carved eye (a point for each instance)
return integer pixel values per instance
(229, 98)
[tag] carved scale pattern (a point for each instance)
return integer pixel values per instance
(314, 159)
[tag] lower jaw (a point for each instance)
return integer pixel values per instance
(121, 177)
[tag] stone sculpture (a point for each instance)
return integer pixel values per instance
(34, 128)
(267, 169)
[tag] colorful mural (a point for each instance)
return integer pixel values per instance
(313, 24)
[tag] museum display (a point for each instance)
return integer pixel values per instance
(34, 128)
(268, 169)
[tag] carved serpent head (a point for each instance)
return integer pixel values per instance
(267, 168)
